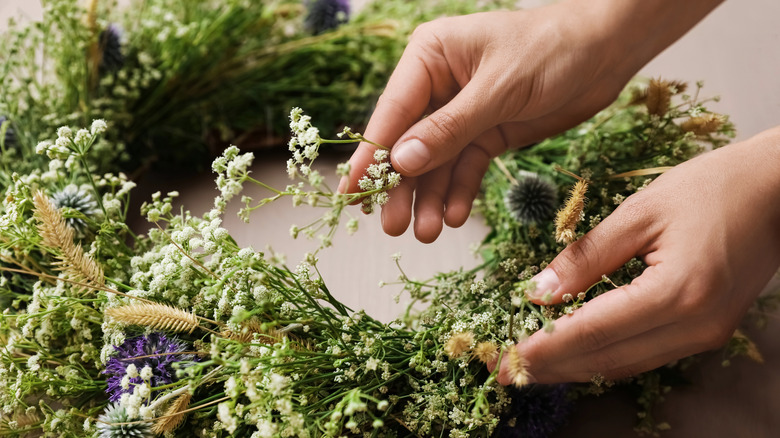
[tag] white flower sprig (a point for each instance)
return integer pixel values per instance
(233, 170)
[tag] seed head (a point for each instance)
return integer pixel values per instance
(531, 199)
(458, 344)
(325, 15)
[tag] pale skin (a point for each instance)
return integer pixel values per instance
(468, 88)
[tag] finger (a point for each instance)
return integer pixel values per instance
(397, 212)
(632, 356)
(443, 134)
(465, 183)
(608, 319)
(402, 103)
(622, 235)
(429, 203)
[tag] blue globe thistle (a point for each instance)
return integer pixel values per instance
(108, 428)
(532, 199)
(77, 199)
(325, 15)
(10, 136)
(537, 411)
(132, 351)
(110, 41)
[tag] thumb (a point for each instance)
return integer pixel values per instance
(621, 236)
(442, 135)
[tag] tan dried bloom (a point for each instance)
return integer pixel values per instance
(517, 367)
(567, 218)
(486, 352)
(156, 316)
(56, 234)
(659, 97)
(458, 344)
(751, 350)
(703, 125)
(173, 415)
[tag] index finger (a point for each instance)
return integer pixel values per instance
(402, 103)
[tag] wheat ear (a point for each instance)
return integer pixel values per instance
(155, 315)
(58, 235)
(567, 218)
(659, 97)
(173, 416)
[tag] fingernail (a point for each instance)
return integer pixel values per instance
(546, 282)
(411, 156)
(343, 184)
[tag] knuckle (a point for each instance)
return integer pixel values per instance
(592, 338)
(446, 127)
(578, 257)
(605, 363)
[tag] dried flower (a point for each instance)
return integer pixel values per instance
(58, 235)
(111, 424)
(156, 351)
(531, 199)
(659, 97)
(10, 136)
(76, 199)
(486, 352)
(173, 416)
(110, 41)
(458, 344)
(703, 125)
(155, 315)
(517, 367)
(567, 218)
(325, 15)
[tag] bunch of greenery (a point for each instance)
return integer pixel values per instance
(180, 332)
(181, 79)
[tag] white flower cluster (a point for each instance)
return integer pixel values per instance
(137, 403)
(378, 179)
(232, 170)
(68, 144)
(304, 145)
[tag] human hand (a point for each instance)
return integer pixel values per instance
(491, 81)
(709, 231)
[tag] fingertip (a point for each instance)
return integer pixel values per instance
(392, 224)
(546, 288)
(343, 184)
(456, 214)
(410, 157)
(427, 229)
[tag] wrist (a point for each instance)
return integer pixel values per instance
(627, 34)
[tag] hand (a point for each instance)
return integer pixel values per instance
(491, 81)
(709, 231)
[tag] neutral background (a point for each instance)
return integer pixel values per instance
(736, 51)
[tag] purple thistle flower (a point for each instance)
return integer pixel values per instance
(111, 58)
(325, 15)
(163, 370)
(537, 411)
(10, 137)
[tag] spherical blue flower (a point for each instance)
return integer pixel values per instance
(537, 411)
(147, 350)
(325, 15)
(110, 41)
